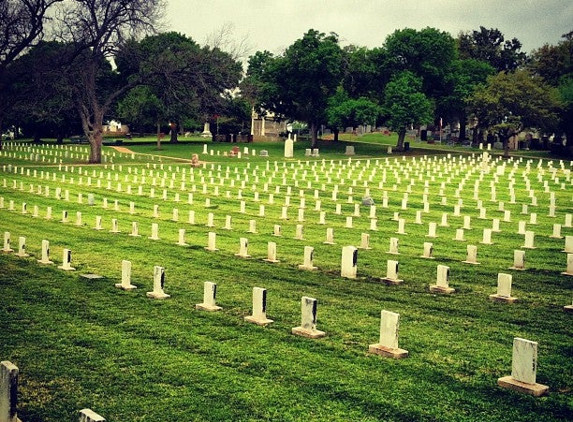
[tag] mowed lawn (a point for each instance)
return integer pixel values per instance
(83, 343)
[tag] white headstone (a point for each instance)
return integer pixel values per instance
(388, 343)
(158, 284)
(126, 277)
(349, 262)
(259, 315)
(308, 319)
(8, 392)
(308, 259)
(209, 298)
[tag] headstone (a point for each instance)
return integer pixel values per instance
(524, 369)
(329, 237)
(460, 235)
(364, 241)
(392, 273)
(271, 253)
(181, 240)
(529, 240)
(22, 247)
(243, 248)
(471, 257)
(88, 415)
(277, 230)
(259, 315)
(442, 281)
(518, 260)
(308, 259)
(349, 150)
(486, 238)
(211, 242)
(209, 298)
(7, 248)
(349, 262)
(8, 392)
(66, 261)
(569, 270)
(428, 250)
(154, 232)
(568, 244)
(45, 253)
(556, 232)
(308, 319)
(394, 246)
(158, 284)
(503, 289)
(126, 277)
(388, 344)
(114, 226)
(289, 148)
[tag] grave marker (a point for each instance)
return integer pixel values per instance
(88, 415)
(209, 298)
(158, 284)
(471, 257)
(518, 260)
(392, 273)
(503, 289)
(308, 319)
(8, 392)
(388, 343)
(45, 253)
(523, 369)
(211, 242)
(308, 259)
(22, 247)
(66, 261)
(125, 277)
(442, 281)
(271, 253)
(259, 315)
(349, 263)
(7, 248)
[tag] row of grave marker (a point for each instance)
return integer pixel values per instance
(349, 266)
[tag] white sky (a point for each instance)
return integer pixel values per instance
(275, 24)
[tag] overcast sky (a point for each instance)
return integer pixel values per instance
(275, 24)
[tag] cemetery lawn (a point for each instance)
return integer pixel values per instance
(83, 343)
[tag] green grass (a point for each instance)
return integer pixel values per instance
(81, 343)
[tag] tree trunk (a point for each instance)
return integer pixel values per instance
(463, 126)
(401, 137)
(314, 135)
(336, 132)
(96, 140)
(0, 132)
(506, 146)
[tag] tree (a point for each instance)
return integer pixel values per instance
(345, 112)
(297, 84)
(512, 102)
(427, 53)
(405, 105)
(40, 98)
(188, 80)
(490, 45)
(566, 96)
(96, 30)
(21, 24)
(465, 76)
